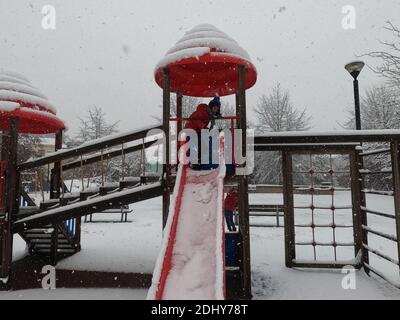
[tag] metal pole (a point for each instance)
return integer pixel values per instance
(357, 104)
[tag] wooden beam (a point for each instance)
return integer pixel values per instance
(107, 155)
(54, 245)
(89, 207)
(395, 152)
(11, 198)
(167, 160)
(290, 247)
(242, 107)
(179, 105)
(55, 183)
(345, 137)
(244, 223)
(364, 215)
(87, 148)
(307, 148)
(356, 195)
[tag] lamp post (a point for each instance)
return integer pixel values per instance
(354, 68)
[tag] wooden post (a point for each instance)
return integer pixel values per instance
(179, 104)
(287, 175)
(356, 195)
(12, 200)
(55, 185)
(364, 220)
(78, 233)
(55, 193)
(244, 223)
(54, 245)
(395, 151)
(166, 166)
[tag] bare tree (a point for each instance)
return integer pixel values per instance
(95, 125)
(390, 68)
(380, 109)
(276, 113)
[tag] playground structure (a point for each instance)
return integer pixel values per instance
(53, 229)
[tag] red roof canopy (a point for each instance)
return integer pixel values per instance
(208, 76)
(204, 63)
(32, 121)
(18, 98)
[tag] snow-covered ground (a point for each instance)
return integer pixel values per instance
(76, 294)
(272, 280)
(134, 246)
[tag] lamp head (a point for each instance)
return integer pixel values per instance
(354, 68)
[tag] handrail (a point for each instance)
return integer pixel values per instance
(106, 155)
(88, 147)
(278, 138)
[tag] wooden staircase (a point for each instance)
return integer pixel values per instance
(52, 228)
(59, 238)
(41, 241)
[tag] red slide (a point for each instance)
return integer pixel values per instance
(191, 261)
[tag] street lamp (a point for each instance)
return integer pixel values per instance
(354, 68)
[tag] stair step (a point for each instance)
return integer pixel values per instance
(59, 251)
(40, 230)
(48, 246)
(45, 241)
(43, 236)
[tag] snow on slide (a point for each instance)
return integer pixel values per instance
(191, 261)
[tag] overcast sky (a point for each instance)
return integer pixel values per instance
(103, 53)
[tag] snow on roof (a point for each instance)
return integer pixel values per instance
(180, 55)
(22, 88)
(201, 40)
(205, 34)
(15, 80)
(13, 75)
(8, 106)
(28, 98)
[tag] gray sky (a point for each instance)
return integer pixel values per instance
(103, 53)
